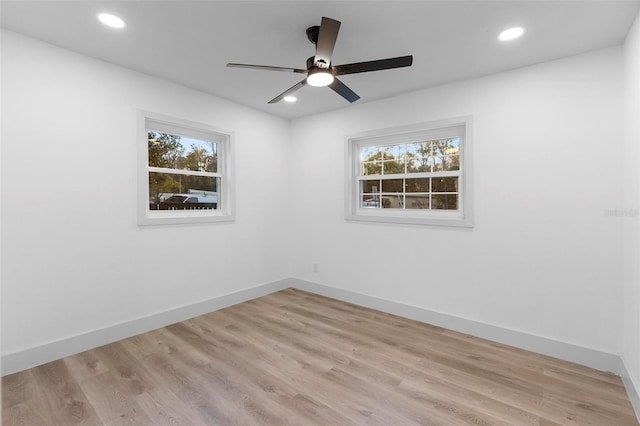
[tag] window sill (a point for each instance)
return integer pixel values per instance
(175, 218)
(440, 219)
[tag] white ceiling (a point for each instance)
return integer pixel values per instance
(190, 42)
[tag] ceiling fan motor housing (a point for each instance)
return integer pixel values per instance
(312, 34)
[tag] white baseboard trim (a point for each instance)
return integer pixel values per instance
(633, 389)
(51, 351)
(581, 355)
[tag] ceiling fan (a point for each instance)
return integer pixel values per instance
(320, 72)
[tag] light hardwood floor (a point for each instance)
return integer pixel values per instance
(297, 358)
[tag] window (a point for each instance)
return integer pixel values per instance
(185, 174)
(419, 174)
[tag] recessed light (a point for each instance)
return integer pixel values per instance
(111, 20)
(511, 34)
(289, 98)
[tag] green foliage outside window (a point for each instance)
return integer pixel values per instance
(168, 151)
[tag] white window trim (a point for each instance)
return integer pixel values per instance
(463, 217)
(226, 195)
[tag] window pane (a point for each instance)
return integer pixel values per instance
(439, 146)
(178, 192)
(417, 185)
(200, 156)
(392, 185)
(370, 201)
(179, 152)
(393, 201)
(419, 165)
(392, 167)
(372, 168)
(420, 149)
(451, 162)
(417, 201)
(444, 201)
(164, 149)
(447, 184)
(453, 146)
(396, 151)
(371, 153)
(370, 186)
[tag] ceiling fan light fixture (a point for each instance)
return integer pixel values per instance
(319, 78)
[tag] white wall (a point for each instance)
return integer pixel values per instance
(73, 258)
(630, 205)
(543, 257)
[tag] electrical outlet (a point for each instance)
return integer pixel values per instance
(315, 267)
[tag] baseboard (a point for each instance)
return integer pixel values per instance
(566, 351)
(633, 389)
(51, 351)
(54, 350)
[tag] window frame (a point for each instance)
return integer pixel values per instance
(462, 217)
(158, 122)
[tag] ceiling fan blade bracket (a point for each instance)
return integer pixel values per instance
(320, 63)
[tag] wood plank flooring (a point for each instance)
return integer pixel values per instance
(297, 358)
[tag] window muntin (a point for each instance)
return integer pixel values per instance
(416, 174)
(185, 177)
(422, 175)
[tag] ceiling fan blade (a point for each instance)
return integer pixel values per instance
(267, 68)
(341, 89)
(288, 91)
(380, 64)
(326, 42)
